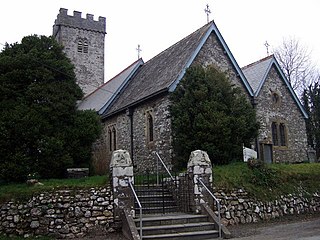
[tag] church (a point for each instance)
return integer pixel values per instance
(134, 105)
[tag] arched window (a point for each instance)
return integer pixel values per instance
(114, 134)
(274, 130)
(85, 46)
(150, 127)
(282, 130)
(80, 46)
(279, 134)
(110, 140)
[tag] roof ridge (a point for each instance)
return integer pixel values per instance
(171, 46)
(257, 62)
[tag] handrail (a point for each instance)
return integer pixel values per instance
(165, 167)
(216, 200)
(139, 204)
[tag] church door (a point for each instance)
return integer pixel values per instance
(267, 153)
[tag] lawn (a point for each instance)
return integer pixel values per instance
(265, 183)
(270, 181)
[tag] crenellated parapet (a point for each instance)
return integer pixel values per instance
(76, 21)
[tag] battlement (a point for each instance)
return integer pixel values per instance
(76, 21)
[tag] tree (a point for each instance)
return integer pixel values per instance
(210, 114)
(311, 102)
(41, 130)
(295, 61)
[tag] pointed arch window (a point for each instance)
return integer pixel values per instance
(274, 134)
(282, 130)
(112, 138)
(82, 46)
(279, 134)
(150, 126)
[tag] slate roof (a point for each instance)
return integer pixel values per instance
(101, 98)
(163, 72)
(256, 73)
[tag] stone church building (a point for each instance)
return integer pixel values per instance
(134, 105)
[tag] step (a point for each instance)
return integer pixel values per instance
(167, 219)
(156, 203)
(174, 228)
(210, 234)
(158, 210)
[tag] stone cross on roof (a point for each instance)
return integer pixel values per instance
(138, 50)
(267, 45)
(208, 12)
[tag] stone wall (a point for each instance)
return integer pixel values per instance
(72, 213)
(142, 154)
(238, 208)
(62, 214)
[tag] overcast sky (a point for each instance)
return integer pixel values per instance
(157, 24)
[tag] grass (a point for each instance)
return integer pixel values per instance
(270, 181)
(266, 183)
(23, 191)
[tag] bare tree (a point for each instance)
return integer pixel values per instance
(295, 61)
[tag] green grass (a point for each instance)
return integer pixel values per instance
(270, 181)
(23, 191)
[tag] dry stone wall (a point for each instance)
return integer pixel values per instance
(238, 208)
(62, 214)
(72, 213)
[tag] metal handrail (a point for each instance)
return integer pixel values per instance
(139, 204)
(165, 167)
(216, 200)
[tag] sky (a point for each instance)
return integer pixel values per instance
(157, 24)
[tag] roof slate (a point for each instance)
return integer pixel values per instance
(256, 72)
(99, 99)
(160, 72)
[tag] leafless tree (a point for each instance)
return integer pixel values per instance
(296, 63)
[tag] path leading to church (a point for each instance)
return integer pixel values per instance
(298, 228)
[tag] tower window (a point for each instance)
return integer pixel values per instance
(82, 46)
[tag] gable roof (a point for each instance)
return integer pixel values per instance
(257, 72)
(163, 72)
(100, 99)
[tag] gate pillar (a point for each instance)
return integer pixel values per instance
(199, 166)
(121, 172)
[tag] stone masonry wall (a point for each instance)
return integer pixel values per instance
(238, 208)
(213, 53)
(72, 213)
(68, 30)
(285, 111)
(143, 156)
(62, 214)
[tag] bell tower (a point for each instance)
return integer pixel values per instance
(83, 40)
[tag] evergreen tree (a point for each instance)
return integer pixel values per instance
(210, 114)
(41, 130)
(311, 102)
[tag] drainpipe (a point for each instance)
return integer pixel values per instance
(254, 104)
(130, 115)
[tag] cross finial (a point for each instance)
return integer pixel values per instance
(267, 45)
(138, 50)
(208, 12)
